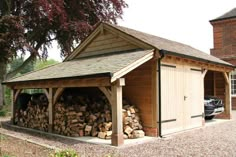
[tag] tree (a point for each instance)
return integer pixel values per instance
(30, 26)
(18, 61)
(42, 64)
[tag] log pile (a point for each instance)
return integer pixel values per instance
(86, 118)
(78, 120)
(35, 117)
(131, 122)
(81, 116)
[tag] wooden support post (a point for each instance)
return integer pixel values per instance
(117, 125)
(227, 96)
(204, 73)
(226, 78)
(50, 109)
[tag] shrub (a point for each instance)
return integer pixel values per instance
(3, 112)
(65, 153)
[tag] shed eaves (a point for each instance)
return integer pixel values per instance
(228, 15)
(103, 64)
(171, 46)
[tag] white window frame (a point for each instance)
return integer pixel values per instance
(233, 83)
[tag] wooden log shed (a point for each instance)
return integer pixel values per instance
(163, 78)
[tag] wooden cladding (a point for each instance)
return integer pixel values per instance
(139, 90)
(106, 43)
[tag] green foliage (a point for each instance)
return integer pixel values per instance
(17, 62)
(3, 112)
(7, 96)
(65, 153)
(42, 64)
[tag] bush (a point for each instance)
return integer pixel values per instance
(3, 112)
(7, 96)
(65, 153)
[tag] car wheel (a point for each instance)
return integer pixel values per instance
(209, 117)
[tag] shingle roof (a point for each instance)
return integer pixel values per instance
(228, 15)
(171, 46)
(103, 64)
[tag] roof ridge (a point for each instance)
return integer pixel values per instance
(161, 43)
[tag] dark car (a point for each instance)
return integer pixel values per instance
(212, 106)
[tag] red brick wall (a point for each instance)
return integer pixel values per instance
(209, 83)
(233, 103)
(224, 33)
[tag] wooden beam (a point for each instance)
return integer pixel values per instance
(46, 92)
(50, 109)
(204, 73)
(192, 62)
(107, 92)
(132, 66)
(18, 91)
(226, 77)
(117, 124)
(63, 83)
(227, 96)
(57, 95)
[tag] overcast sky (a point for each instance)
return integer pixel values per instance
(185, 21)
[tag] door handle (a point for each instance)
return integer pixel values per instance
(185, 97)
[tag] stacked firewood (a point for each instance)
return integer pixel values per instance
(35, 116)
(94, 120)
(131, 122)
(80, 116)
(86, 118)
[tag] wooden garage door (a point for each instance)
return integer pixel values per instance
(182, 98)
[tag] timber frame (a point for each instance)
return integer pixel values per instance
(140, 73)
(53, 90)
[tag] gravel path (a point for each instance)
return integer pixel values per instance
(218, 140)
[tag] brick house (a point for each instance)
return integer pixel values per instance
(224, 32)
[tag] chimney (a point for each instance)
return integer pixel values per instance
(224, 33)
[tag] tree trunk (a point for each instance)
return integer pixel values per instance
(2, 74)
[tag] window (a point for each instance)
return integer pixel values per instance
(233, 83)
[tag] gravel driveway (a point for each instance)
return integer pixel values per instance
(212, 141)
